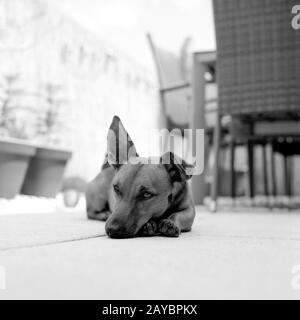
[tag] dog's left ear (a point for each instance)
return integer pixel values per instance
(120, 147)
(176, 167)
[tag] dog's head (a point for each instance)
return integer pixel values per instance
(140, 191)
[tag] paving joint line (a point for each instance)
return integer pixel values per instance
(50, 243)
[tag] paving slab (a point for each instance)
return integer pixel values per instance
(18, 231)
(227, 255)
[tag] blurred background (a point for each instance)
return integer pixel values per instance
(66, 67)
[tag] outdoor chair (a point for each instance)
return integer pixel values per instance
(174, 85)
(175, 97)
(284, 139)
(174, 94)
(258, 75)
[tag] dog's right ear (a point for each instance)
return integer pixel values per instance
(120, 147)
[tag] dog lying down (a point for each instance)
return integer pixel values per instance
(136, 198)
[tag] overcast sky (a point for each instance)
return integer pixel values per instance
(124, 23)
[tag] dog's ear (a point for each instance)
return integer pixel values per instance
(176, 167)
(120, 147)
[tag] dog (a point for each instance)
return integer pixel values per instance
(139, 199)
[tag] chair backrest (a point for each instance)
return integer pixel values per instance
(258, 67)
(172, 70)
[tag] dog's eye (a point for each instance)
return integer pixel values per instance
(147, 195)
(117, 189)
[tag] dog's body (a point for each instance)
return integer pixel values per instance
(140, 199)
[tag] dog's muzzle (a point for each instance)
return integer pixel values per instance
(119, 232)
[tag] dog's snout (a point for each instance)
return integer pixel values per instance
(114, 231)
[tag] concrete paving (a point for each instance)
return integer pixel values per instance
(227, 255)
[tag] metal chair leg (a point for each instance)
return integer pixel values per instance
(265, 170)
(286, 175)
(232, 169)
(291, 176)
(250, 149)
(215, 173)
(291, 180)
(273, 172)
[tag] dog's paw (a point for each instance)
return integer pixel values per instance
(148, 229)
(168, 228)
(103, 216)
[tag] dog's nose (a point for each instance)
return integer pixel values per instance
(117, 232)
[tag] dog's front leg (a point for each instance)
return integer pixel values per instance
(177, 222)
(96, 207)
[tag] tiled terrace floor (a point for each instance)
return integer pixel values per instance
(236, 253)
